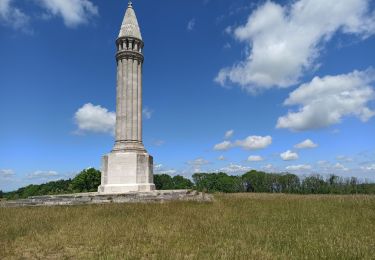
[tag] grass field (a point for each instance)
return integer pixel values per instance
(235, 226)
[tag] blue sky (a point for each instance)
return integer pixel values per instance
(228, 85)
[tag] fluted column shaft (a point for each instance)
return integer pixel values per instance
(129, 99)
(139, 134)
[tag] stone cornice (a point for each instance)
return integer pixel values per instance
(125, 54)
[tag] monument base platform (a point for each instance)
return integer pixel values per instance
(97, 198)
(124, 188)
(125, 171)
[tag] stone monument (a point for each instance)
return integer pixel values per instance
(128, 167)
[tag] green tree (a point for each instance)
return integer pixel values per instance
(255, 181)
(179, 182)
(217, 182)
(163, 182)
(290, 183)
(86, 181)
(314, 185)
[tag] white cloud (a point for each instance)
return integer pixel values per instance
(322, 163)
(158, 142)
(343, 158)
(158, 166)
(43, 175)
(254, 142)
(235, 169)
(160, 169)
(227, 45)
(97, 119)
(270, 168)
(90, 118)
(147, 113)
(340, 167)
(289, 156)
(325, 101)
(221, 158)
(298, 168)
(249, 143)
(306, 144)
(229, 134)
(369, 167)
(225, 145)
(6, 173)
(12, 16)
(286, 41)
(191, 25)
(330, 168)
(197, 164)
(228, 30)
(255, 158)
(73, 12)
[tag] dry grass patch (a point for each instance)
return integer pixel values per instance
(240, 226)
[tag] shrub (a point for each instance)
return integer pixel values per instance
(86, 181)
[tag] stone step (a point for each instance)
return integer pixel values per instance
(96, 198)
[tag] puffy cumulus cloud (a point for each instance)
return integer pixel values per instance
(223, 146)
(235, 169)
(13, 16)
(90, 118)
(6, 173)
(285, 41)
(289, 156)
(73, 12)
(254, 142)
(229, 134)
(43, 175)
(298, 168)
(255, 158)
(306, 144)
(325, 101)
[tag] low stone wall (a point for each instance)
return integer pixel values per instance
(96, 198)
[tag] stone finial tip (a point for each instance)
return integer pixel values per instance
(130, 4)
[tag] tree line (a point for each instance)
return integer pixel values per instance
(88, 180)
(258, 181)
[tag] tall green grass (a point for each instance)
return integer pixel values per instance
(235, 226)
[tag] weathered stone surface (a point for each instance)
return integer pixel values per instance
(97, 198)
(126, 171)
(128, 167)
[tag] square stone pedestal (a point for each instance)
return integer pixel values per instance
(124, 172)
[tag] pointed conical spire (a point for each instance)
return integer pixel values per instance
(130, 27)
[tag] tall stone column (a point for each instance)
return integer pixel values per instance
(128, 167)
(139, 109)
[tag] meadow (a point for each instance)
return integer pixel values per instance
(234, 226)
